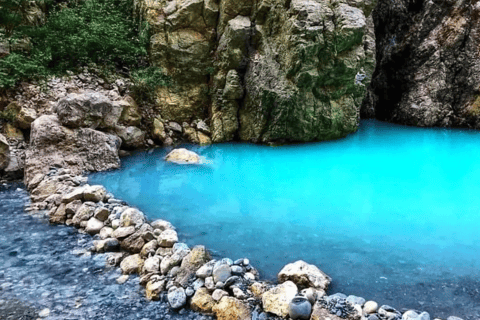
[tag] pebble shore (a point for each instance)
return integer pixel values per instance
(188, 277)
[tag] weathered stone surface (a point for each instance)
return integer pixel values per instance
(176, 297)
(131, 114)
(89, 109)
(202, 301)
(428, 73)
(106, 232)
(304, 275)
(132, 264)
(158, 130)
(102, 213)
(277, 299)
(167, 238)
(25, 117)
(132, 137)
(133, 243)
(94, 193)
(183, 156)
(300, 84)
(94, 226)
(149, 249)
(78, 150)
(218, 294)
(123, 232)
(4, 152)
(59, 216)
(197, 257)
(221, 272)
(152, 265)
(230, 308)
(162, 225)
(72, 207)
(153, 288)
(76, 194)
(84, 213)
(132, 217)
(320, 313)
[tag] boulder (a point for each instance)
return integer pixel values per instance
(230, 308)
(72, 207)
(84, 213)
(183, 156)
(132, 264)
(221, 272)
(106, 232)
(94, 226)
(102, 213)
(123, 232)
(131, 114)
(79, 150)
(218, 294)
(162, 225)
(197, 257)
(132, 217)
(158, 131)
(59, 216)
(176, 297)
(132, 137)
(304, 275)
(167, 238)
(149, 249)
(76, 194)
(154, 288)
(152, 265)
(94, 193)
(25, 117)
(89, 109)
(202, 301)
(133, 243)
(277, 299)
(4, 152)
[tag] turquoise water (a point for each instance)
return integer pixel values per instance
(389, 212)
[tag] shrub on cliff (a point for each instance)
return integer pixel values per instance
(77, 34)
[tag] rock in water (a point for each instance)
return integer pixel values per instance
(183, 156)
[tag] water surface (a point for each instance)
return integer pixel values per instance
(391, 212)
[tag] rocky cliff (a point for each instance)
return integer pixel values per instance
(261, 70)
(428, 66)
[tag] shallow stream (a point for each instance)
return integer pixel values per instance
(391, 213)
(49, 267)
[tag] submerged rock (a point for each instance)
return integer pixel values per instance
(183, 156)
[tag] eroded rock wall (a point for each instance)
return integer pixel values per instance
(428, 67)
(261, 70)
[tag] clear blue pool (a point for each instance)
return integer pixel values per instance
(391, 213)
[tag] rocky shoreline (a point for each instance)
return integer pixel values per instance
(188, 277)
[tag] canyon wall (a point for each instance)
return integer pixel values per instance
(428, 66)
(260, 70)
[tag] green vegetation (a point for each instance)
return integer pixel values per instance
(146, 80)
(76, 34)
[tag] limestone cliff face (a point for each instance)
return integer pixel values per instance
(428, 67)
(260, 70)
